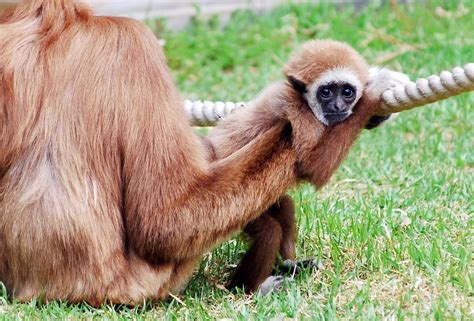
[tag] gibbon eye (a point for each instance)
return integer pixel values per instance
(325, 92)
(347, 92)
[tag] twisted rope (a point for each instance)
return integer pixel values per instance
(397, 99)
(426, 91)
(207, 113)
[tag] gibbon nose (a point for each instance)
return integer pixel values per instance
(338, 105)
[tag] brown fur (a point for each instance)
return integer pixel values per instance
(105, 191)
(303, 67)
(271, 233)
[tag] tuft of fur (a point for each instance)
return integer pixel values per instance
(320, 56)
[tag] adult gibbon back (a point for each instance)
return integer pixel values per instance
(89, 124)
(106, 193)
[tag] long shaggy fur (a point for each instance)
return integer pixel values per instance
(90, 121)
(106, 193)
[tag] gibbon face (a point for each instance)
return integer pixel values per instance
(333, 96)
(331, 76)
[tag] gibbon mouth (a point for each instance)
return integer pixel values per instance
(333, 118)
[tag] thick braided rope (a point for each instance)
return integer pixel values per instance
(426, 91)
(207, 113)
(400, 98)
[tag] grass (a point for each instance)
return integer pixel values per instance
(394, 226)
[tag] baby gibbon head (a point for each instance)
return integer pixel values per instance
(331, 76)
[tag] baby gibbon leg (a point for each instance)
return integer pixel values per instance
(272, 233)
(265, 234)
(284, 213)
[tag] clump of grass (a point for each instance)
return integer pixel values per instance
(394, 226)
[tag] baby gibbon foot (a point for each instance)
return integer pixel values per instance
(273, 284)
(285, 273)
(292, 268)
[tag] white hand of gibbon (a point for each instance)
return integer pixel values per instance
(381, 79)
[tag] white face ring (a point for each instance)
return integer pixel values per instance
(335, 75)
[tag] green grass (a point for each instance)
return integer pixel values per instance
(395, 224)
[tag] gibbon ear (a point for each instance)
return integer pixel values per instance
(297, 84)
